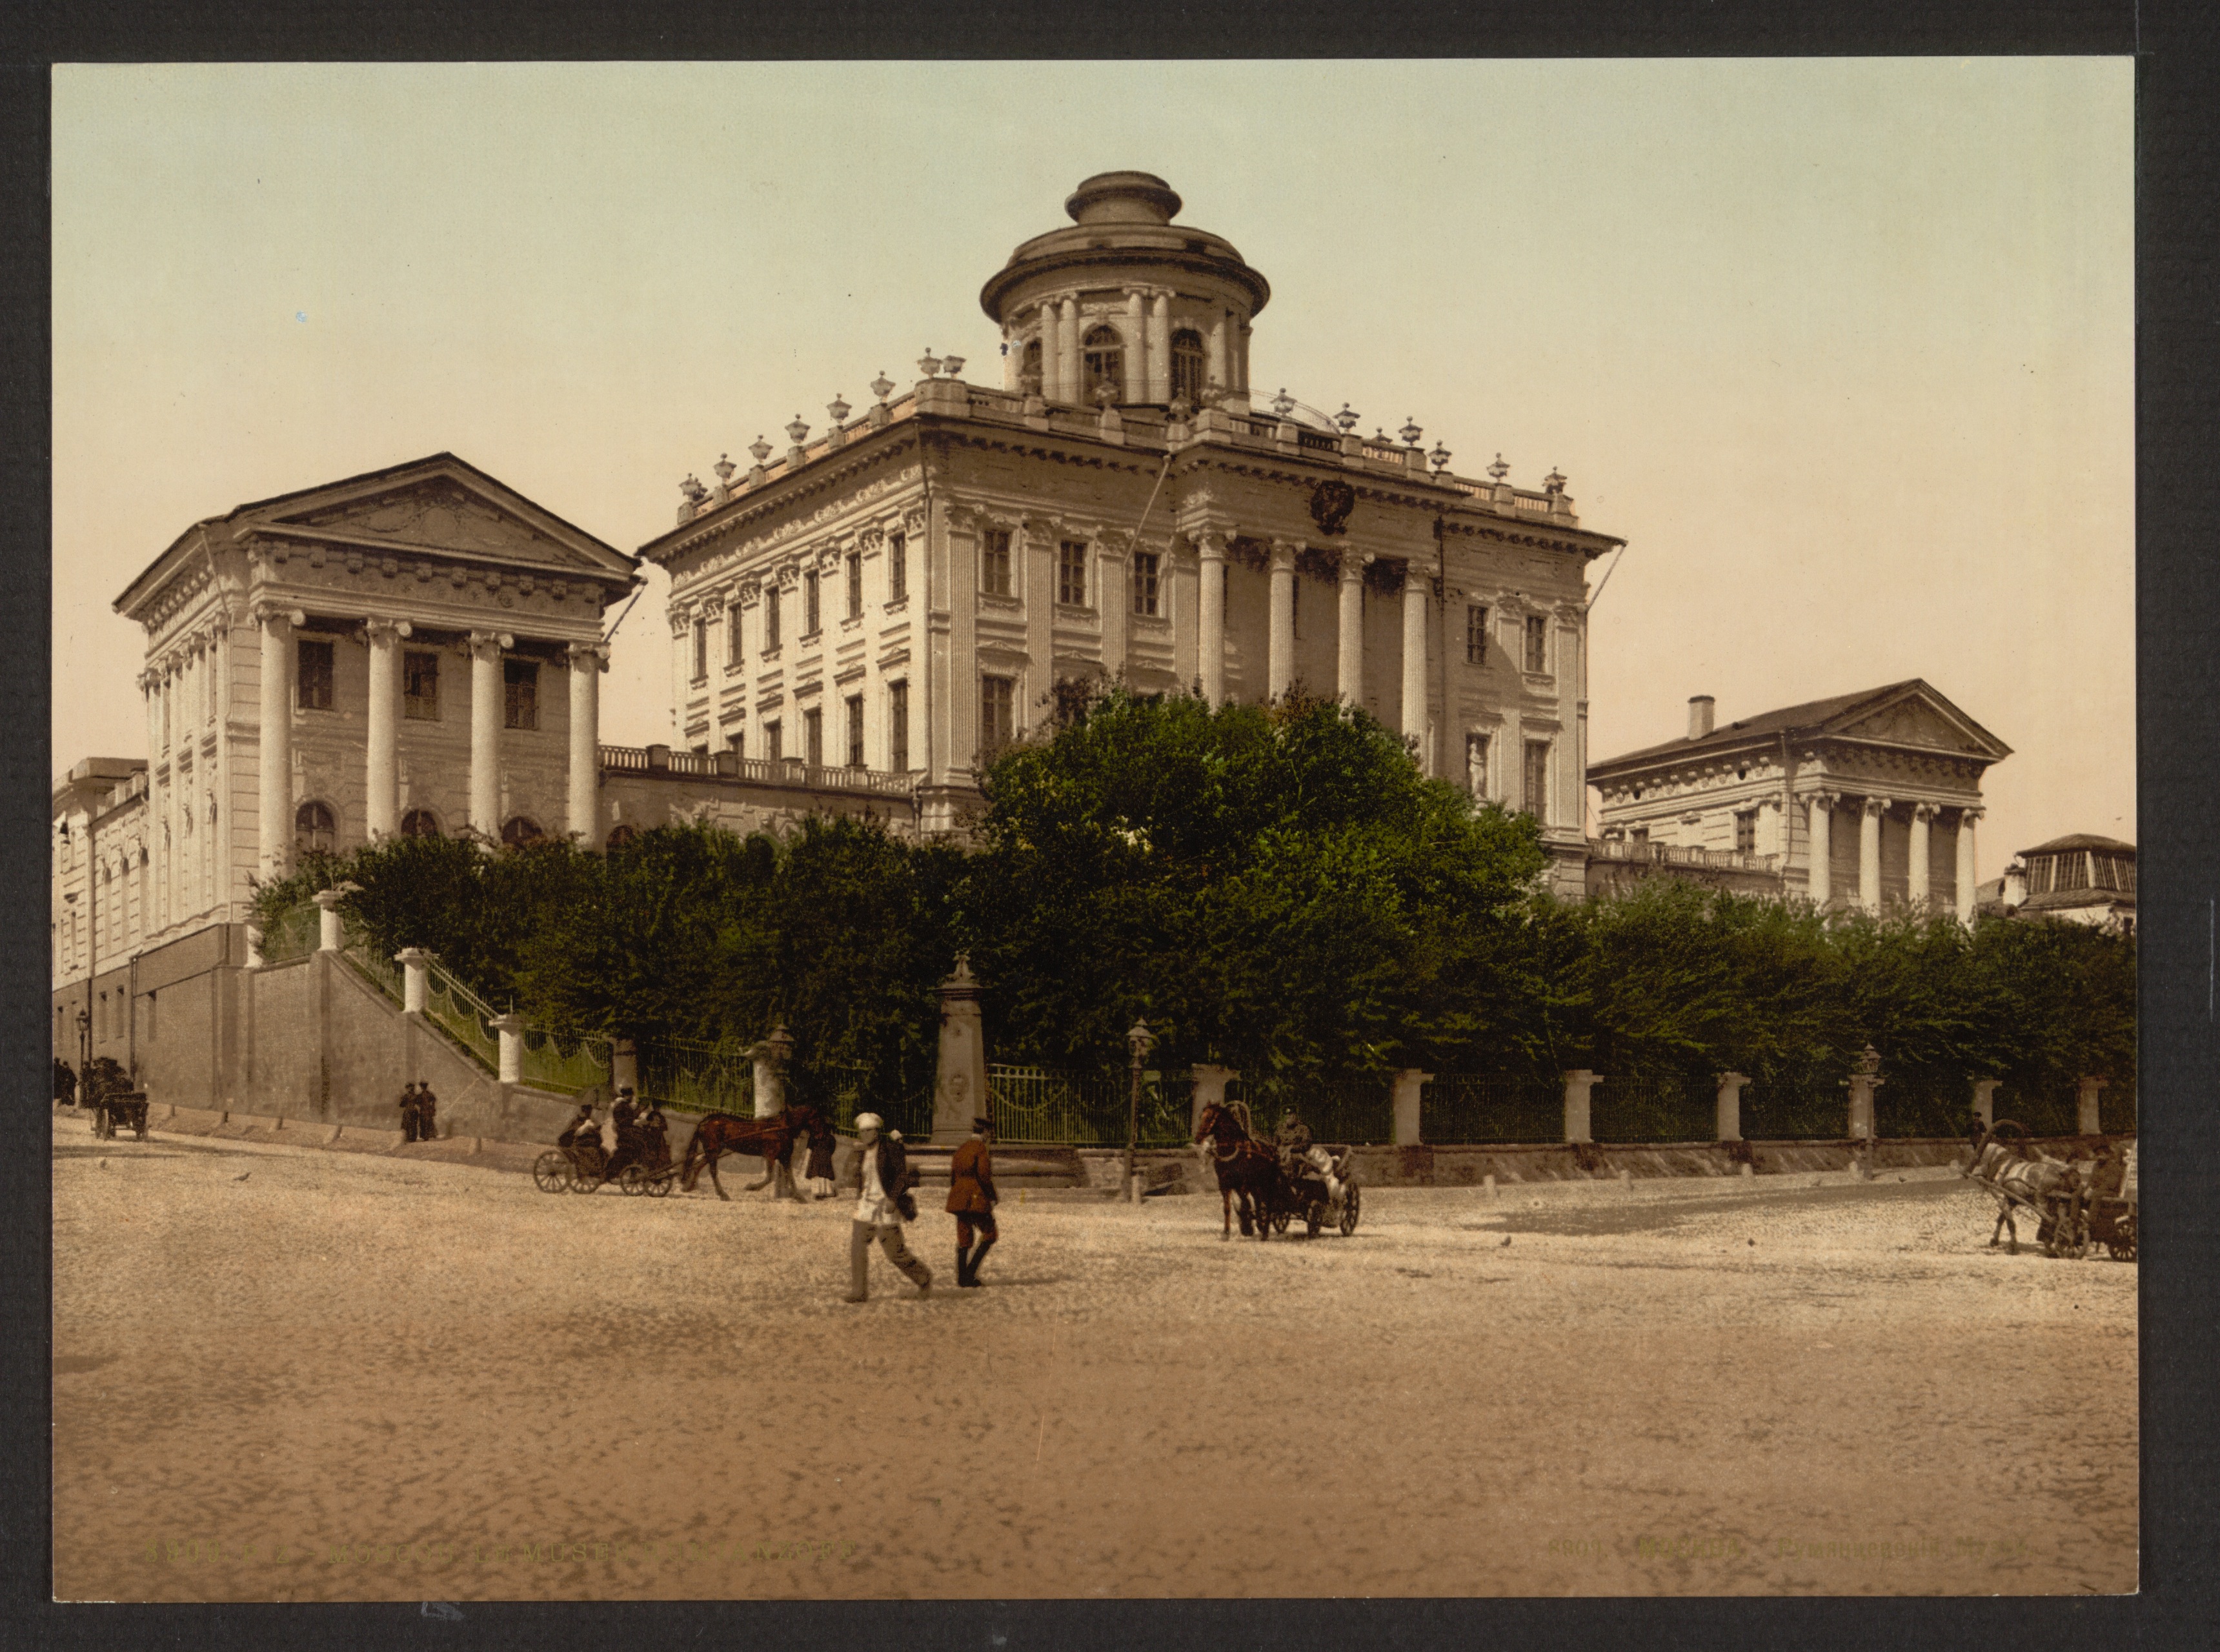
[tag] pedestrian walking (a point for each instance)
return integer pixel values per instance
(409, 1115)
(881, 1179)
(428, 1113)
(971, 1200)
(819, 1173)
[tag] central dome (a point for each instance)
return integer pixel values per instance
(1124, 198)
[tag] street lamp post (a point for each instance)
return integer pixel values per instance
(84, 1043)
(1139, 1039)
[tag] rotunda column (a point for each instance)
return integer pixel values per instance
(1221, 373)
(1137, 346)
(383, 817)
(588, 662)
(1160, 346)
(1210, 644)
(485, 731)
(1916, 879)
(1869, 819)
(1075, 381)
(1051, 352)
(1349, 675)
(1280, 638)
(1820, 877)
(1967, 885)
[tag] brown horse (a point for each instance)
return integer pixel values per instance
(1248, 1171)
(719, 1133)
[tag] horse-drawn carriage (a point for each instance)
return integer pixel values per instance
(2072, 1208)
(116, 1110)
(1268, 1194)
(582, 1167)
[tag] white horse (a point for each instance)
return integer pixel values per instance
(2014, 1178)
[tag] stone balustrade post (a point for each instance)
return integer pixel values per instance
(1863, 1082)
(1578, 1083)
(1210, 1084)
(510, 1027)
(959, 1087)
(1729, 1106)
(415, 978)
(331, 934)
(1409, 1084)
(2090, 1119)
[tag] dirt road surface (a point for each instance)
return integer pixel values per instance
(283, 1373)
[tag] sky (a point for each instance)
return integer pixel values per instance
(1843, 348)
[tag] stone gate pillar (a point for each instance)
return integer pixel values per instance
(1864, 1080)
(1578, 1083)
(1729, 1106)
(1408, 1085)
(510, 1027)
(331, 930)
(624, 1065)
(770, 1056)
(1210, 1084)
(415, 978)
(2091, 1120)
(1984, 1099)
(959, 1084)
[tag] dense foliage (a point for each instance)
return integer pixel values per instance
(1274, 887)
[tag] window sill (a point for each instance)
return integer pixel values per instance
(1000, 600)
(1540, 679)
(1163, 621)
(895, 604)
(1076, 611)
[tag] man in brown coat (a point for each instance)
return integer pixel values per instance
(971, 1200)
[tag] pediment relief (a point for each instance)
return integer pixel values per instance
(1916, 722)
(442, 515)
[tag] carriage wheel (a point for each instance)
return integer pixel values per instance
(2122, 1244)
(659, 1186)
(633, 1182)
(1314, 1219)
(551, 1172)
(585, 1179)
(1349, 1203)
(1280, 1220)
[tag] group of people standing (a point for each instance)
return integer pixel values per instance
(419, 1113)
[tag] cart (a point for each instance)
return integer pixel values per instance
(113, 1111)
(582, 1169)
(1318, 1207)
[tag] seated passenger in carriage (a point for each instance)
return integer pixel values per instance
(1300, 1158)
(624, 1113)
(580, 1132)
(654, 1134)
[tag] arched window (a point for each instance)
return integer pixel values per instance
(1187, 366)
(1029, 365)
(521, 831)
(621, 836)
(315, 829)
(1104, 362)
(420, 823)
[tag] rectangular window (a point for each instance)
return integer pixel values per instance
(774, 742)
(856, 731)
(897, 567)
(898, 730)
(1071, 574)
(316, 686)
(1144, 582)
(732, 654)
(995, 562)
(812, 738)
(420, 686)
(1475, 636)
(521, 680)
(811, 617)
(1537, 779)
(1638, 836)
(700, 650)
(1746, 832)
(996, 721)
(770, 618)
(737, 742)
(855, 584)
(1538, 637)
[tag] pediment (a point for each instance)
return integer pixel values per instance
(1921, 720)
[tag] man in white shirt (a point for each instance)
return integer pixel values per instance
(882, 1183)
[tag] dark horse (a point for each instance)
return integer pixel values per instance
(719, 1133)
(1248, 1170)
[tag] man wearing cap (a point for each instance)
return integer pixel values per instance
(428, 1113)
(881, 1180)
(409, 1116)
(623, 1114)
(971, 1200)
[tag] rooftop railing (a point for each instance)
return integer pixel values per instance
(788, 772)
(1671, 854)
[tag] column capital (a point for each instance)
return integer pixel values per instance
(1877, 807)
(488, 644)
(598, 652)
(1926, 812)
(270, 613)
(1212, 542)
(1824, 801)
(1353, 565)
(388, 632)
(1284, 552)
(1967, 817)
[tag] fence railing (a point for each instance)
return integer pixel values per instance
(1476, 1108)
(1660, 1108)
(466, 1017)
(1359, 1110)
(697, 1077)
(565, 1067)
(1087, 1108)
(295, 934)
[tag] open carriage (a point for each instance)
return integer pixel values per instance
(582, 1167)
(1309, 1195)
(2072, 1208)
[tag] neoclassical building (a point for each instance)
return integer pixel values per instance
(1869, 798)
(901, 592)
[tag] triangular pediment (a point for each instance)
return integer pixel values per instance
(440, 506)
(1915, 717)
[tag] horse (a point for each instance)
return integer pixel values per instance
(1248, 1170)
(2000, 1164)
(719, 1133)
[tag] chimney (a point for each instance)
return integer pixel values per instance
(1699, 715)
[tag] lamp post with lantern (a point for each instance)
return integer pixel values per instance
(1139, 1040)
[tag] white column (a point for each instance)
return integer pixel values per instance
(1917, 888)
(1728, 1104)
(383, 818)
(1820, 879)
(1869, 818)
(1414, 664)
(1052, 353)
(1160, 347)
(1967, 873)
(510, 1030)
(485, 731)
(1210, 551)
(277, 742)
(588, 662)
(1219, 372)
(1074, 381)
(1280, 638)
(1348, 672)
(331, 931)
(415, 974)
(1409, 1084)
(1578, 1083)
(1137, 346)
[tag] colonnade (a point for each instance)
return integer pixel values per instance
(1823, 806)
(382, 757)
(1143, 323)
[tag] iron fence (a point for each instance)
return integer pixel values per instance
(2045, 1109)
(697, 1077)
(1917, 1101)
(564, 1066)
(1792, 1111)
(1087, 1108)
(464, 1015)
(1353, 1110)
(1654, 1107)
(294, 933)
(1457, 1108)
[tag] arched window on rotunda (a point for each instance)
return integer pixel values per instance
(420, 823)
(1188, 366)
(1104, 362)
(315, 829)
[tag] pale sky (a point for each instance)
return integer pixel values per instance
(1843, 349)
